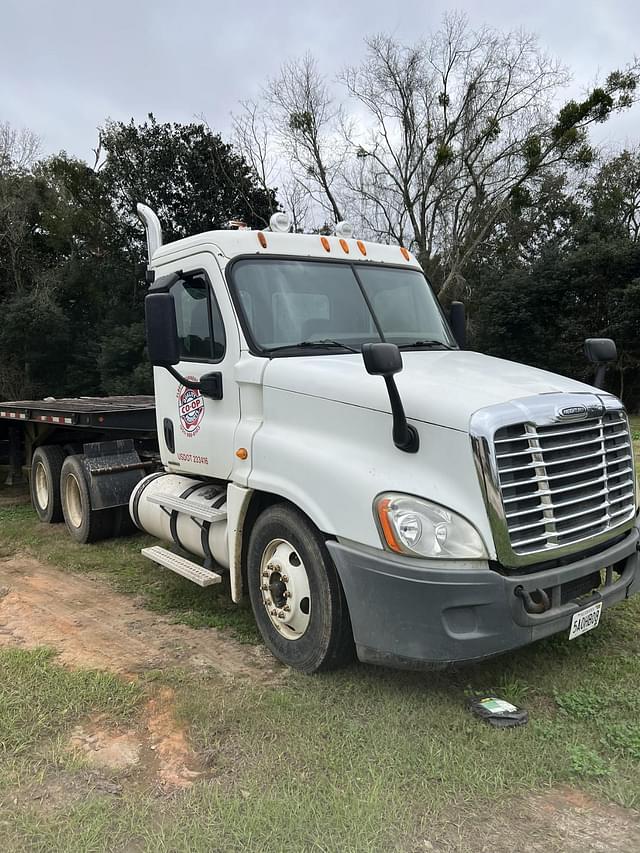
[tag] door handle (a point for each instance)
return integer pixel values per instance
(169, 438)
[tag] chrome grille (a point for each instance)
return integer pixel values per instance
(564, 483)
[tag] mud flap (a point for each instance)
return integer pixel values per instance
(112, 469)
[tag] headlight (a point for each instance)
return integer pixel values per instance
(421, 528)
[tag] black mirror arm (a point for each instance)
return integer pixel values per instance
(405, 436)
(601, 372)
(188, 383)
(209, 386)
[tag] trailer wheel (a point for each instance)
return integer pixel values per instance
(84, 523)
(295, 592)
(44, 482)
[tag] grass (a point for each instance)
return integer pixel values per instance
(360, 760)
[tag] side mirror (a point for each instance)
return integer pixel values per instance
(458, 323)
(382, 359)
(386, 360)
(600, 351)
(210, 385)
(161, 329)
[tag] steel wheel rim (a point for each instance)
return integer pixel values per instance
(41, 486)
(284, 587)
(73, 500)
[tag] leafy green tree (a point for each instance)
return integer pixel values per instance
(192, 179)
(614, 195)
(71, 248)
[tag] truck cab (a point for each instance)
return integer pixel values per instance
(373, 487)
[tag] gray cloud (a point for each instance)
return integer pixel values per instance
(65, 66)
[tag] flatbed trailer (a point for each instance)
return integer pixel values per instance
(113, 439)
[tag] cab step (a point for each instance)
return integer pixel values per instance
(204, 513)
(181, 566)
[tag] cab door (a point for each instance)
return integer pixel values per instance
(196, 432)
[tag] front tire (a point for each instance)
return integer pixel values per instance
(84, 523)
(295, 592)
(44, 482)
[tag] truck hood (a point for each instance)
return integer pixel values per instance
(438, 387)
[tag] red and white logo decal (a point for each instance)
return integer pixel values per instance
(190, 409)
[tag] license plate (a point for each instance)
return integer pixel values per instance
(585, 620)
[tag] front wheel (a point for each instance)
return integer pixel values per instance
(295, 592)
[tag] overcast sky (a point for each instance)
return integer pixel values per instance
(67, 65)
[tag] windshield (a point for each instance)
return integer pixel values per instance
(287, 303)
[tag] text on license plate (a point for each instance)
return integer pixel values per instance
(585, 620)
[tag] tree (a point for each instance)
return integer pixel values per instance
(615, 194)
(305, 124)
(187, 174)
(448, 132)
(19, 149)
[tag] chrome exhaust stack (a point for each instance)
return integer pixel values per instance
(152, 227)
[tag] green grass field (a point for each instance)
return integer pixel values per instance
(360, 760)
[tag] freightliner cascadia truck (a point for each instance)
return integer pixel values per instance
(321, 441)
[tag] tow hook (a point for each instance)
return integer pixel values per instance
(531, 605)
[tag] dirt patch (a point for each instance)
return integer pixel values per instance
(157, 746)
(62, 790)
(102, 747)
(178, 766)
(93, 626)
(563, 820)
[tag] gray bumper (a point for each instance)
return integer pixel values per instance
(406, 612)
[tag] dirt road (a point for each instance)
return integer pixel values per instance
(92, 626)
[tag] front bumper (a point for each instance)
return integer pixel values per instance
(414, 613)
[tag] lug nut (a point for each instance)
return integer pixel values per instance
(281, 615)
(265, 587)
(285, 579)
(265, 574)
(287, 594)
(273, 612)
(287, 608)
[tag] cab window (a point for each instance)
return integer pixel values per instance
(200, 328)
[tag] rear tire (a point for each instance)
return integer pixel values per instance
(44, 483)
(84, 523)
(295, 592)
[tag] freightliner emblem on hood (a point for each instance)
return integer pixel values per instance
(580, 412)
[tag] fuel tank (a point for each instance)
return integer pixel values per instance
(188, 512)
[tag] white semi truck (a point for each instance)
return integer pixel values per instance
(324, 441)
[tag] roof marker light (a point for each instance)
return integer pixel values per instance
(405, 253)
(343, 229)
(326, 245)
(345, 246)
(281, 222)
(362, 247)
(262, 240)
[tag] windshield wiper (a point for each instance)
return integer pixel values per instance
(425, 344)
(324, 344)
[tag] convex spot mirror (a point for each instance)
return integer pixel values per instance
(600, 350)
(382, 359)
(161, 329)
(386, 360)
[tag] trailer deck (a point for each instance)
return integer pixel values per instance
(128, 413)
